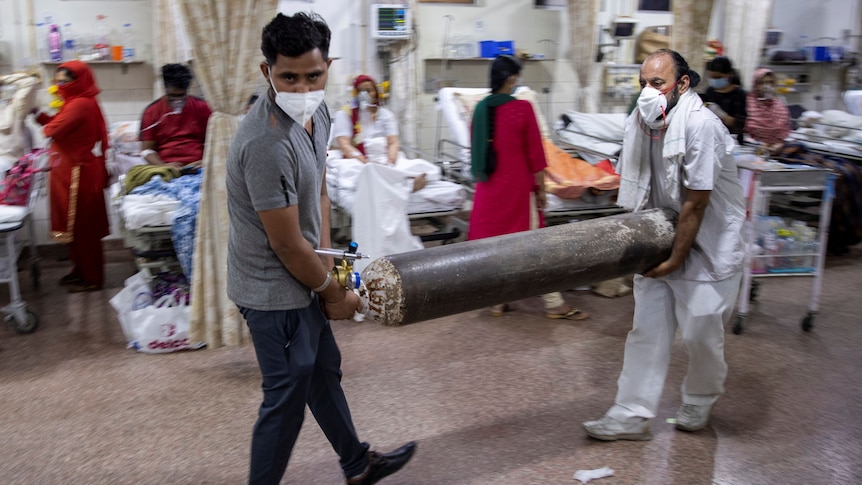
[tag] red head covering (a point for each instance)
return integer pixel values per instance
(364, 78)
(84, 85)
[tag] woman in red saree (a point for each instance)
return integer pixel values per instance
(78, 175)
(508, 164)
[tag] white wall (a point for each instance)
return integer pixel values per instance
(823, 18)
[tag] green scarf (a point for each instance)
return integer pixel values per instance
(481, 136)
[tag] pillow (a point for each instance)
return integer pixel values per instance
(124, 137)
(466, 103)
(19, 93)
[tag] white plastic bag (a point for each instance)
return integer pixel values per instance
(161, 327)
(135, 295)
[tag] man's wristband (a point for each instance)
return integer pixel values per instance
(146, 153)
(325, 284)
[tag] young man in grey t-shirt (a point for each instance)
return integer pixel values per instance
(279, 214)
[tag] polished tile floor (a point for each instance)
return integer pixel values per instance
(490, 400)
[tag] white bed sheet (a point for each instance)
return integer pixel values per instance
(145, 210)
(833, 131)
(601, 132)
(437, 196)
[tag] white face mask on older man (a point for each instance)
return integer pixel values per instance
(652, 104)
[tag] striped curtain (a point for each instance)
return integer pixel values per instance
(583, 45)
(690, 26)
(225, 40)
(744, 24)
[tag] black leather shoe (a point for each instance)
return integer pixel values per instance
(70, 279)
(381, 466)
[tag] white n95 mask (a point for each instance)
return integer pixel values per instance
(299, 106)
(652, 104)
(364, 99)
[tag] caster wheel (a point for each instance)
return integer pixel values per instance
(808, 322)
(737, 327)
(29, 325)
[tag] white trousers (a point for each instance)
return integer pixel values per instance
(699, 309)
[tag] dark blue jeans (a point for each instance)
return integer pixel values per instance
(300, 364)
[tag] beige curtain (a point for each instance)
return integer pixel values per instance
(583, 45)
(225, 40)
(170, 43)
(744, 24)
(690, 26)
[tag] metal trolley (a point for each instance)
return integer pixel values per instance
(16, 312)
(770, 185)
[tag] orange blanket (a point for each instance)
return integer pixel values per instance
(568, 177)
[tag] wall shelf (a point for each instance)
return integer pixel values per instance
(479, 59)
(125, 64)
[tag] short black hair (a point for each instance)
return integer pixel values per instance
(293, 36)
(502, 68)
(176, 76)
(720, 64)
(682, 68)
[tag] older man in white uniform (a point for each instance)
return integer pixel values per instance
(677, 154)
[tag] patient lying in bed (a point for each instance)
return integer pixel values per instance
(380, 196)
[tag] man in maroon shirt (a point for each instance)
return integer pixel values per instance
(173, 127)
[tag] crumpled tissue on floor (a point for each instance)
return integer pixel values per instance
(585, 476)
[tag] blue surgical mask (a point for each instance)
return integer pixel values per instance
(718, 82)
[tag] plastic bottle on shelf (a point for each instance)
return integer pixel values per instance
(42, 40)
(70, 43)
(101, 46)
(770, 247)
(129, 52)
(803, 46)
(55, 44)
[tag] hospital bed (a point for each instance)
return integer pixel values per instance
(452, 153)
(433, 211)
(145, 226)
(13, 218)
(145, 219)
(595, 136)
(831, 132)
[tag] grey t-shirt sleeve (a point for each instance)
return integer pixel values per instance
(270, 185)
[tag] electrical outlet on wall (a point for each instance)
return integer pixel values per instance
(479, 26)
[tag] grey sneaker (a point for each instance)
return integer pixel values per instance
(610, 429)
(692, 417)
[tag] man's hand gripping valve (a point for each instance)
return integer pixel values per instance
(344, 275)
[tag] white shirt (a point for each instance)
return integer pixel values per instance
(718, 249)
(384, 125)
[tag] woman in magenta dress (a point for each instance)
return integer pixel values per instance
(508, 163)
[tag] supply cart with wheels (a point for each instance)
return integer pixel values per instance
(775, 247)
(16, 313)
